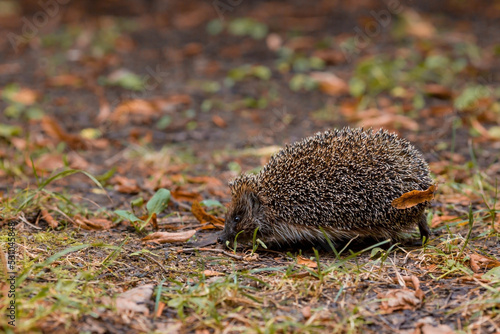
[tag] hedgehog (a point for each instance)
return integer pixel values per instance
(335, 185)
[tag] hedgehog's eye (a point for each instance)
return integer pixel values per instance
(237, 219)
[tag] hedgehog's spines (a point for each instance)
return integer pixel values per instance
(342, 181)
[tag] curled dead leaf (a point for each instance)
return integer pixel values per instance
(204, 217)
(49, 219)
(212, 273)
(414, 197)
(92, 223)
(164, 237)
(329, 83)
(54, 130)
(125, 185)
(26, 96)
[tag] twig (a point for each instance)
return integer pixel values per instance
(188, 250)
(180, 204)
(158, 263)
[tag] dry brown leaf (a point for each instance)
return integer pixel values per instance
(125, 185)
(219, 121)
(204, 217)
(330, 57)
(399, 299)
(430, 329)
(49, 219)
(212, 273)
(329, 83)
(414, 197)
(274, 42)
(54, 130)
(26, 96)
(306, 312)
(135, 300)
(440, 220)
(438, 91)
(93, 223)
(482, 261)
(164, 237)
(306, 262)
(159, 311)
(189, 196)
(387, 120)
(65, 80)
(402, 299)
(209, 180)
(416, 25)
(144, 109)
(47, 163)
(154, 221)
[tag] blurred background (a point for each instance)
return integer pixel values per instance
(214, 87)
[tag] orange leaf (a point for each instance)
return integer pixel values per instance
(306, 262)
(26, 96)
(182, 195)
(93, 224)
(54, 130)
(204, 217)
(125, 185)
(329, 83)
(211, 273)
(414, 197)
(49, 219)
(164, 237)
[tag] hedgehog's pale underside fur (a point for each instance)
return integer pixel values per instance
(339, 182)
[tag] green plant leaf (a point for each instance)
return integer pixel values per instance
(158, 202)
(211, 202)
(127, 215)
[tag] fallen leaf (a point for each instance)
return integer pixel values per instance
(414, 197)
(386, 120)
(274, 42)
(329, 83)
(430, 329)
(47, 163)
(440, 220)
(483, 261)
(26, 96)
(125, 185)
(402, 299)
(189, 196)
(330, 57)
(49, 219)
(54, 130)
(204, 217)
(159, 311)
(306, 311)
(398, 299)
(416, 25)
(438, 91)
(70, 80)
(135, 300)
(219, 121)
(306, 262)
(209, 180)
(164, 237)
(143, 110)
(212, 273)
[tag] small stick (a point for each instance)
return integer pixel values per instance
(188, 250)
